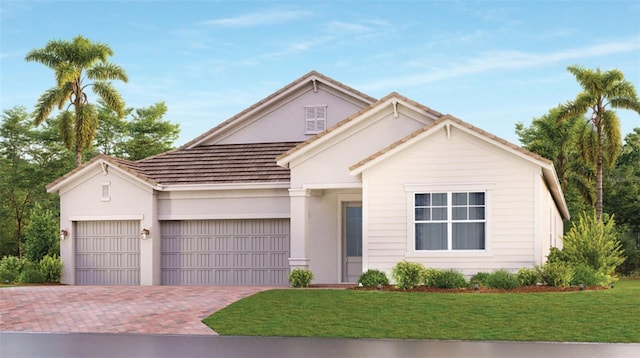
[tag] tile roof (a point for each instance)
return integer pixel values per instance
(217, 164)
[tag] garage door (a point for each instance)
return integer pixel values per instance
(225, 252)
(107, 253)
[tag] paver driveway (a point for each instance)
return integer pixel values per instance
(115, 309)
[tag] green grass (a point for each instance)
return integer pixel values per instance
(589, 316)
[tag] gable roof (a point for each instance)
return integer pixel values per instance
(312, 77)
(205, 165)
(548, 169)
(127, 167)
(392, 99)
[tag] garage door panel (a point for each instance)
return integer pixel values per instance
(225, 252)
(107, 253)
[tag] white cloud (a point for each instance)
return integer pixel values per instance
(489, 61)
(266, 17)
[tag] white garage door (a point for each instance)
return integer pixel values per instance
(107, 252)
(225, 252)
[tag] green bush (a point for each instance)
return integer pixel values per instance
(31, 275)
(586, 275)
(449, 279)
(479, 278)
(11, 267)
(300, 278)
(502, 279)
(428, 276)
(528, 277)
(595, 243)
(41, 234)
(408, 275)
(557, 274)
(51, 268)
(373, 277)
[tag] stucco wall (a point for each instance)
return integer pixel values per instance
(82, 201)
(223, 204)
(461, 163)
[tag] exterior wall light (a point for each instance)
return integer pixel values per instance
(144, 234)
(63, 234)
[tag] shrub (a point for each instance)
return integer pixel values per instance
(11, 267)
(502, 279)
(428, 276)
(449, 279)
(300, 277)
(556, 274)
(51, 268)
(479, 278)
(528, 277)
(372, 278)
(408, 275)
(595, 243)
(586, 275)
(31, 275)
(41, 234)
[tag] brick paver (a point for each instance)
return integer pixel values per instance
(115, 309)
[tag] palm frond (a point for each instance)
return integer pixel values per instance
(65, 126)
(86, 125)
(47, 101)
(110, 96)
(107, 71)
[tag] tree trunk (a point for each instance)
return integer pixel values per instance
(78, 156)
(599, 171)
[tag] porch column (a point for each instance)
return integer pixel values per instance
(299, 227)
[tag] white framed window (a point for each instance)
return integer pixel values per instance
(106, 191)
(315, 119)
(448, 221)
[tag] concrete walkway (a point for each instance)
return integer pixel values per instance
(115, 309)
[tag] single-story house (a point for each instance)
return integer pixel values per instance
(316, 175)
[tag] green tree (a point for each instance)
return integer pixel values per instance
(30, 158)
(41, 234)
(622, 198)
(113, 131)
(556, 141)
(149, 133)
(601, 91)
(73, 62)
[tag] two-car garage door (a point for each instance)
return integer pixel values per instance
(196, 252)
(225, 252)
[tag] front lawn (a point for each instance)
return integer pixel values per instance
(611, 315)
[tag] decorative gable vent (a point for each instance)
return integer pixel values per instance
(315, 119)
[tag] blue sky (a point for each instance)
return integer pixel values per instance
(490, 63)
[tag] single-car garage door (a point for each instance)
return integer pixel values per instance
(225, 252)
(107, 252)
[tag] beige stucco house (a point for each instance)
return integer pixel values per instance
(317, 175)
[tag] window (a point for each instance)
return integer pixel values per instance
(449, 221)
(106, 191)
(315, 119)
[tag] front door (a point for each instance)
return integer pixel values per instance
(352, 241)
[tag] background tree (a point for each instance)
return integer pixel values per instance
(622, 198)
(149, 133)
(143, 134)
(30, 158)
(557, 141)
(73, 62)
(601, 91)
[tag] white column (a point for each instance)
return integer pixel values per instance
(299, 227)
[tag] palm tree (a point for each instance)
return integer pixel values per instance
(74, 62)
(600, 91)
